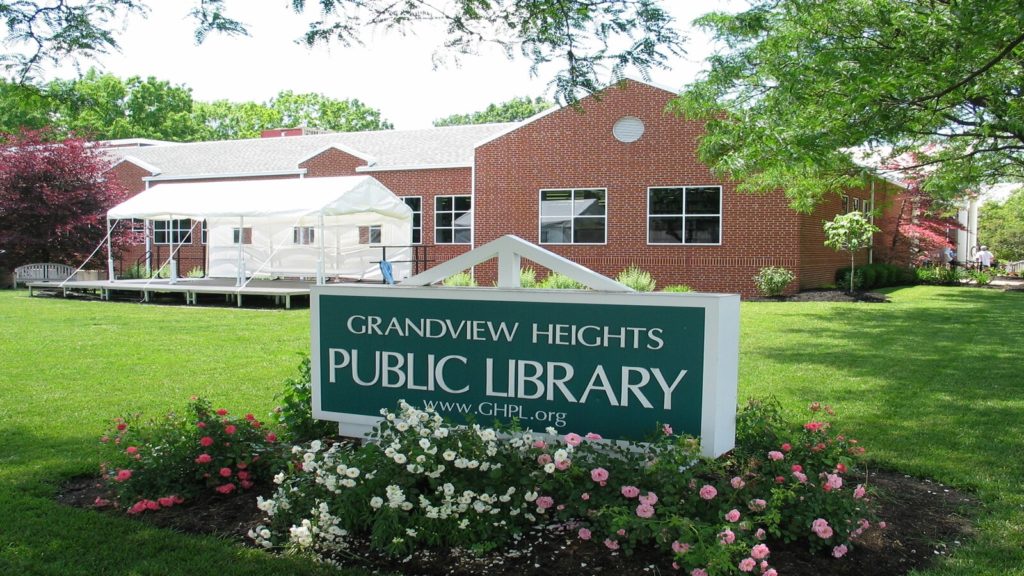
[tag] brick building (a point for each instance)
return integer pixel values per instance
(610, 183)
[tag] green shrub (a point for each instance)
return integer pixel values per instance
(637, 279)
(159, 463)
(939, 275)
(135, 272)
(858, 279)
(196, 272)
(772, 280)
(295, 414)
(460, 279)
(558, 281)
(426, 483)
(677, 288)
(981, 277)
(528, 277)
(867, 277)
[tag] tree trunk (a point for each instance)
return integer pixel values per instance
(852, 271)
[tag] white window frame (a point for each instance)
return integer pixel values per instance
(721, 216)
(572, 230)
(173, 233)
(453, 212)
(303, 235)
(202, 232)
(420, 212)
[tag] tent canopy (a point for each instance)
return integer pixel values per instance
(290, 198)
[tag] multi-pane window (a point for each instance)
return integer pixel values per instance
(172, 231)
(453, 220)
(684, 215)
(578, 216)
(416, 204)
(303, 235)
(241, 235)
(369, 234)
(202, 234)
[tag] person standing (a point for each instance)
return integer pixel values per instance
(984, 257)
(948, 257)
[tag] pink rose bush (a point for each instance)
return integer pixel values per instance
(425, 482)
(173, 458)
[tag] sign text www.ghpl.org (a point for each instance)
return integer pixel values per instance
(616, 365)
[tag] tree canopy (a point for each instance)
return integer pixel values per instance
(803, 82)
(585, 36)
(1001, 226)
(512, 110)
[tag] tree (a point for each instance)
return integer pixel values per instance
(226, 120)
(850, 232)
(1001, 226)
(803, 82)
(23, 107)
(512, 110)
(53, 199)
(586, 36)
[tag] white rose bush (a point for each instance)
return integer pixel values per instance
(422, 482)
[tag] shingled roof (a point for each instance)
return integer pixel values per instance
(388, 149)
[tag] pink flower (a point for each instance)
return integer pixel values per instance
(592, 436)
(800, 477)
(271, 437)
(243, 475)
(651, 498)
(796, 468)
(585, 496)
(230, 429)
(131, 450)
(584, 534)
(814, 426)
(858, 492)
(645, 510)
(611, 544)
(708, 492)
(206, 441)
(225, 472)
(122, 426)
(200, 424)
(166, 501)
(177, 499)
(630, 491)
(621, 531)
(545, 502)
(680, 547)
(780, 480)
(747, 565)
(698, 572)
(539, 444)
(138, 507)
(204, 459)
(246, 484)
(573, 439)
(732, 515)
(822, 529)
(841, 468)
(759, 551)
(814, 407)
(563, 464)
(760, 534)
(222, 412)
(726, 537)
(243, 465)
(737, 483)
(225, 488)
(152, 505)
(775, 455)
(787, 447)
(599, 475)
(250, 417)
(834, 482)
(666, 429)
(757, 505)
(123, 475)
(770, 572)
(544, 459)
(882, 525)
(840, 551)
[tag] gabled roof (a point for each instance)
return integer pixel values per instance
(391, 149)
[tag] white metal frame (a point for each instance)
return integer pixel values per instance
(721, 216)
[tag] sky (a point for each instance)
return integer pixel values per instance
(396, 74)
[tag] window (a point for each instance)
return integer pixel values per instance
(202, 234)
(241, 235)
(172, 231)
(303, 235)
(573, 216)
(453, 220)
(369, 234)
(684, 215)
(416, 203)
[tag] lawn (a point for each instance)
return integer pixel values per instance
(932, 384)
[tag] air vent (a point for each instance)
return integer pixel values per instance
(628, 129)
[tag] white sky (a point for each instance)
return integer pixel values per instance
(392, 73)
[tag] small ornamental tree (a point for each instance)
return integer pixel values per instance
(850, 232)
(54, 196)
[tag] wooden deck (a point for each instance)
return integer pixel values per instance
(281, 291)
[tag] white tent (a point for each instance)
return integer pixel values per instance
(286, 227)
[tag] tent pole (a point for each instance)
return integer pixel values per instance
(320, 280)
(172, 229)
(110, 253)
(241, 258)
(149, 248)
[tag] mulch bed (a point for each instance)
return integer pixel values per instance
(826, 296)
(926, 520)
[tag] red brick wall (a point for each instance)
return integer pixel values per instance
(332, 162)
(574, 148)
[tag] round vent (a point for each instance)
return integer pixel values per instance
(628, 129)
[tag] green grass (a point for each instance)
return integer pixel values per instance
(932, 383)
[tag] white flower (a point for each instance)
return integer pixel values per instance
(551, 430)
(296, 449)
(348, 483)
(400, 459)
(463, 524)
(449, 455)
(264, 533)
(561, 455)
(352, 472)
(549, 467)
(279, 478)
(308, 457)
(424, 443)
(410, 532)
(376, 502)
(314, 446)
(461, 463)
(402, 426)
(488, 435)
(421, 458)
(530, 496)
(473, 464)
